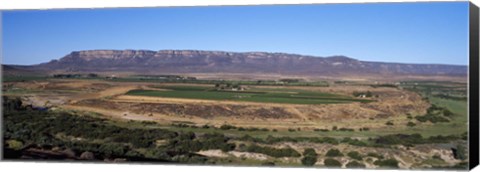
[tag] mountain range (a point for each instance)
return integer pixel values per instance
(195, 61)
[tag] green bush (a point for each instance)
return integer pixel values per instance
(460, 153)
(346, 129)
(309, 160)
(355, 155)
(364, 129)
(411, 124)
(227, 127)
(354, 142)
(329, 162)
(448, 113)
(409, 115)
(378, 156)
(432, 118)
(388, 163)
(309, 157)
(411, 139)
(355, 164)
(273, 152)
(334, 153)
(404, 139)
(309, 152)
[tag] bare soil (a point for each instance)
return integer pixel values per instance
(108, 99)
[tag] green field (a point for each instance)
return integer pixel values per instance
(291, 96)
(23, 78)
(454, 99)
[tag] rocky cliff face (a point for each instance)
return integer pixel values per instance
(193, 61)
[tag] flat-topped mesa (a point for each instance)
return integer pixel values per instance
(197, 61)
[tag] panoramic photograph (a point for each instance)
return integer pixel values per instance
(370, 86)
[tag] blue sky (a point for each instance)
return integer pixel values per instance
(390, 32)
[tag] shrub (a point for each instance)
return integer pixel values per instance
(227, 127)
(460, 153)
(309, 160)
(434, 118)
(364, 129)
(277, 153)
(321, 130)
(388, 163)
(369, 160)
(346, 129)
(309, 152)
(334, 153)
(378, 156)
(404, 139)
(411, 124)
(242, 147)
(355, 164)
(447, 113)
(355, 155)
(329, 162)
(252, 129)
(354, 142)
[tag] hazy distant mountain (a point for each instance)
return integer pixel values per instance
(193, 61)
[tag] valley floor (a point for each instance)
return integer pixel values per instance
(408, 125)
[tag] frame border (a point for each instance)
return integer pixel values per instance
(474, 121)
